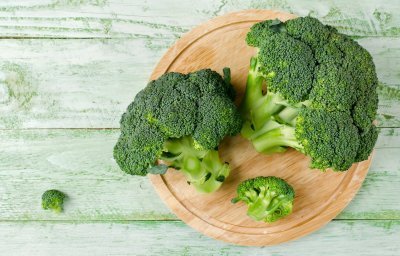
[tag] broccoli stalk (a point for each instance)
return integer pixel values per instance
(202, 167)
(270, 120)
(268, 198)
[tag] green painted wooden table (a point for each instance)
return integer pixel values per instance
(68, 69)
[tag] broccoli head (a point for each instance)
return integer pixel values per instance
(53, 200)
(321, 94)
(268, 198)
(181, 120)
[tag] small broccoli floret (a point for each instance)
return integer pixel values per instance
(53, 200)
(268, 198)
(217, 118)
(180, 119)
(320, 95)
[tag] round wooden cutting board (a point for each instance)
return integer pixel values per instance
(320, 196)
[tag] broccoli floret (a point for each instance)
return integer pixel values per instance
(53, 200)
(135, 154)
(180, 119)
(367, 143)
(329, 138)
(268, 198)
(321, 94)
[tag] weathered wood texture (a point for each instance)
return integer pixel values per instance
(56, 83)
(139, 238)
(169, 19)
(80, 163)
(71, 82)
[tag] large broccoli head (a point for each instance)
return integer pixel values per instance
(308, 65)
(268, 198)
(181, 119)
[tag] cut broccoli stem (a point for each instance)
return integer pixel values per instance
(265, 108)
(203, 168)
(270, 118)
(254, 87)
(227, 75)
(266, 203)
(256, 105)
(263, 208)
(276, 140)
(288, 116)
(250, 132)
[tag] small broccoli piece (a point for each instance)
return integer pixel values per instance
(268, 198)
(321, 94)
(53, 200)
(180, 119)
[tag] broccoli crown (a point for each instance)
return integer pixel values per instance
(53, 200)
(196, 107)
(280, 53)
(268, 198)
(329, 138)
(309, 65)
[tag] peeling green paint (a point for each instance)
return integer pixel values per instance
(54, 4)
(220, 7)
(20, 84)
(374, 177)
(382, 214)
(388, 117)
(386, 225)
(107, 25)
(271, 4)
(382, 17)
(388, 92)
(389, 132)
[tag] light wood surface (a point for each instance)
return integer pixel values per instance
(80, 63)
(320, 196)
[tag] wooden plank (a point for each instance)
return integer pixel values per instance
(175, 238)
(70, 83)
(79, 162)
(169, 19)
(88, 83)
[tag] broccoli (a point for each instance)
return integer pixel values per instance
(53, 200)
(312, 89)
(178, 121)
(268, 198)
